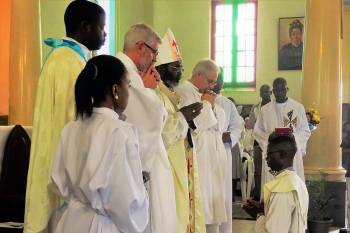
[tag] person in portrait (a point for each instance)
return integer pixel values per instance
(290, 55)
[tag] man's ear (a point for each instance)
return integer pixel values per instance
(287, 89)
(139, 46)
(85, 28)
(283, 155)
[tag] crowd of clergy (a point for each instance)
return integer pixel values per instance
(119, 145)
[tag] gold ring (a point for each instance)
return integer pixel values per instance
(194, 111)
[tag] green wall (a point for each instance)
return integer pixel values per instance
(129, 12)
(190, 23)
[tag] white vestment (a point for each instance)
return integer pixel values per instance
(286, 203)
(254, 113)
(97, 170)
(294, 117)
(248, 141)
(146, 111)
(232, 125)
(211, 155)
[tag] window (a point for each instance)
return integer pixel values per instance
(109, 46)
(234, 41)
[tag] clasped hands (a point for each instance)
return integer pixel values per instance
(209, 96)
(151, 77)
(253, 208)
(192, 111)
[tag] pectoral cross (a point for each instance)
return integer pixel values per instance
(289, 122)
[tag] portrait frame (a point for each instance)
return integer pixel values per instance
(290, 45)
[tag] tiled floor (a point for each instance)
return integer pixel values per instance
(243, 223)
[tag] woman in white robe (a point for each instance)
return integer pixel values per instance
(97, 168)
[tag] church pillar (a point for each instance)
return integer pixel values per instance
(24, 60)
(322, 86)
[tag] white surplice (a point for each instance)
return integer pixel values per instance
(97, 170)
(248, 141)
(232, 125)
(269, 119)
(147, 112)
(211, 154)
(254, 113)
(286, 201)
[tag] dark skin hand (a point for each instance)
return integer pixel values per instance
(253, 208)
(191, 111)
(226, 136)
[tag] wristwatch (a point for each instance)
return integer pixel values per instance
(259, 215)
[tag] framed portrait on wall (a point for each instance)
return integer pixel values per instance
(290, 43)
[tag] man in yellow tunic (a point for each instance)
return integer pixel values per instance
(55, 105)
(189, 210)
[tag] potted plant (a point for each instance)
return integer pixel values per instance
(322, 198)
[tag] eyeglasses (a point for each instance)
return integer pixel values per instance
(155, 52)
(271, 152)
(177, 69)
(210, 81)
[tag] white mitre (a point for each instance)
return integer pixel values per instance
(168, 50)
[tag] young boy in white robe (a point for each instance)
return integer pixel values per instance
(97, 168)
(286, 199)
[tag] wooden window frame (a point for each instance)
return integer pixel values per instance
(234, 3)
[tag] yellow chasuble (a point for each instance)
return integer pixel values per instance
(54, 107)
(190, 215)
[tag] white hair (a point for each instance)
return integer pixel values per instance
(140, 32)
(205, 66)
